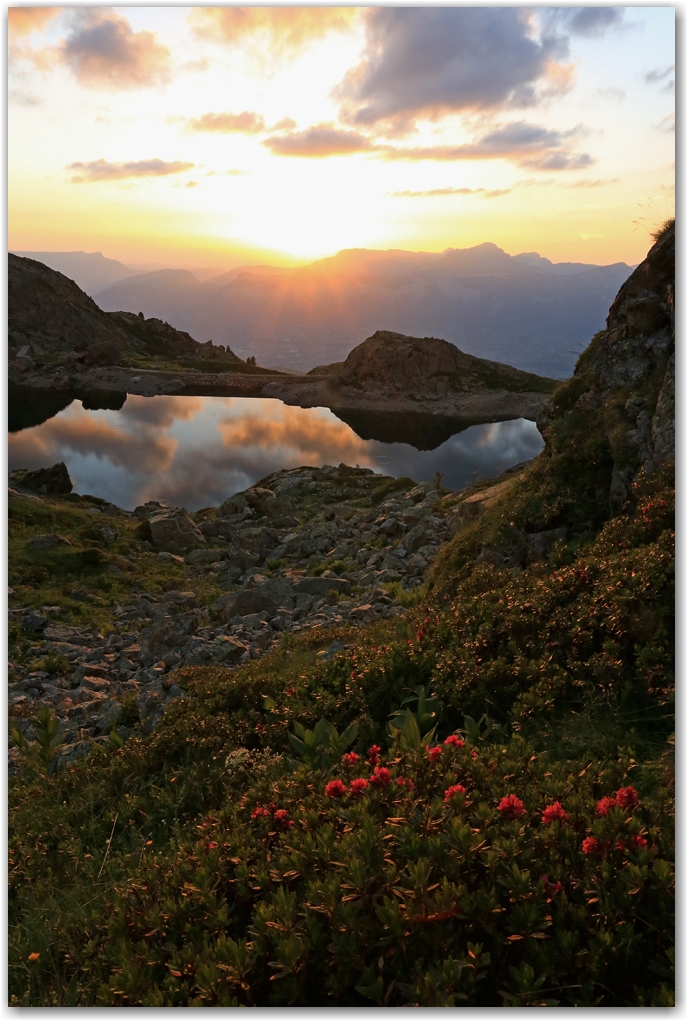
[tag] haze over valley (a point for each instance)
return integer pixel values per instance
(523, 310)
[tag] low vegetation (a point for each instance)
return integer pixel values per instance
(521, 853)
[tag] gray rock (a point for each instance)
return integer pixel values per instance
(35, 622)
(205, 556)
(48, 541)
(173, 531)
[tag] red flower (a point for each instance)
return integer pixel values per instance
(551, 888)
(512, 807)
(592, 846)
(434, 753)
(373, 755)
(452, 791)
(454, 740)
(260, 812)
(282, 819)
(212, 846)
(358, 787)
(554, 813)
(335, 789)
(405, 784)
(636, 843)
(350, 759)
(474, 754)
(380, 777)
(605, 805)
(627, 797)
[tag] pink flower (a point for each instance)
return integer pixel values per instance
(358, 787)
(554, 813)
(605, 805)
(453, 740)
(627, 797)
(452, 791)
(282, 819)
(350, 759)
(511, 807)
(373, 755)
(434, 753)
(260, 812)
(380, 777)
(335, 789)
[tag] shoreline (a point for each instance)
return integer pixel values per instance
(301, 391)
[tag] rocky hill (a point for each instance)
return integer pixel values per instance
(393, 364)
(52, 321)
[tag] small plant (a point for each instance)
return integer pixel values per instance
(46, 726)
(409, 727)
(322, 746)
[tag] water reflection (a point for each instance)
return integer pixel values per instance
(196, 451)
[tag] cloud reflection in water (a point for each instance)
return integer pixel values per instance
(196, 451)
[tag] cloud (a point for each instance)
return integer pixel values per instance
(318, 142)
(523, 143)
(278, 31)
(426, 62)
(667, 124)
(160, 411)
(526, 144)
(585, 21)
(657, 75)
(104, 52)
(23, 21)
(246, 123)
(101, 170)
(435, 192)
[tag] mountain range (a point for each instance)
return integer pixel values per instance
(523, 310)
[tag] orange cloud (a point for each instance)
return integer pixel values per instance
(282, 30)
(161, 411)
(101, 170)
(312, 438)
(247, 123)
(22, 21)
(85, 434)
(103, 51)
(318, 142)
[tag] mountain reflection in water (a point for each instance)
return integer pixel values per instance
(196, 451)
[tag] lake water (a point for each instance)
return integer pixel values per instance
(196, 451)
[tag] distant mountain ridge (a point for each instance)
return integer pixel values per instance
(522, 310)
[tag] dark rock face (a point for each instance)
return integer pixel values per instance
(53, 481)
(48, 314)
(624, 383)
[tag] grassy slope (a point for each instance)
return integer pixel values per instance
(198, 901)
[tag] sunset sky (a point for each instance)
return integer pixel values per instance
(218, 136)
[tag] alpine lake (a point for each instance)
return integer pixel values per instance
(196, 451)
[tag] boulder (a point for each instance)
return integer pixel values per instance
(173, 531)
(52, 481)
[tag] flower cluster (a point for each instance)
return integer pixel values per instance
(554, 813)
(453, 791)
(625, 798)
(511, 807)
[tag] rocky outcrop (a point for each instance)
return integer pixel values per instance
(624, 383)
(53, 481)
